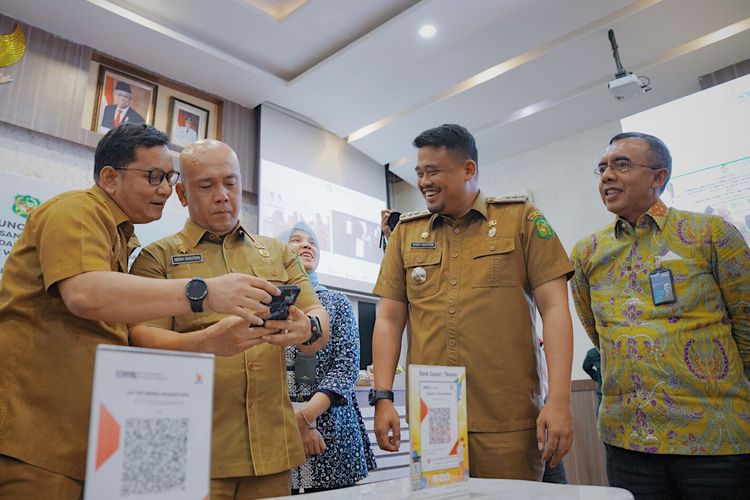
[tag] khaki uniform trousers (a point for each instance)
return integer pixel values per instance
(252, 487)
(505, 455)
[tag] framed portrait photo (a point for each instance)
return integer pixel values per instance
(122, 98)
(187, 123)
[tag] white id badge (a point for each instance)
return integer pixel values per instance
(662, 287)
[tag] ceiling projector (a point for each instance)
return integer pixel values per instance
(628, 86)
(625, 85)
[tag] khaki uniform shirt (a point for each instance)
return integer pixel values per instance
(46, 352)
(469, 284)
(254, 428)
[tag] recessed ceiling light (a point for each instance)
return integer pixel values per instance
(427, 31)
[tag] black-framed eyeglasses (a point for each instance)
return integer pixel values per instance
(622, 165)
(156, 175)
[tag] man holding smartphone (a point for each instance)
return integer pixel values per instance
(255, 440)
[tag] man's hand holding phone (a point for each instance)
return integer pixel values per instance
(294, 330)
(231, 336)
(285, 324)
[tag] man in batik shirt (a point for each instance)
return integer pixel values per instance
(664, 295)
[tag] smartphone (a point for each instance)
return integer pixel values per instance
(280, 304)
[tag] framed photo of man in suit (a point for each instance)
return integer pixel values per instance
(187, 123)
(122, 98)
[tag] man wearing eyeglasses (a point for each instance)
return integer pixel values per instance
(664, 294)
(65, 289)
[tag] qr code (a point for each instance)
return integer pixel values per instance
(440, 425)
(155, 455)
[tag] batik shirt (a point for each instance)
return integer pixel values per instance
(674, 376)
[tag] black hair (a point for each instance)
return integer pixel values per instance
(658, 152)
(454, 137)
(117, 147)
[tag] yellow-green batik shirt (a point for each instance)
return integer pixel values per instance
(675, 376)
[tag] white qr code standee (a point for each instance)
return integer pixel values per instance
(150, 428)
(438, 430)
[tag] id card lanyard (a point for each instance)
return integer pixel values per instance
(662, 284)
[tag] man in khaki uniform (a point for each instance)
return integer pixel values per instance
(65, 289)
(467, 274)
(256, 437)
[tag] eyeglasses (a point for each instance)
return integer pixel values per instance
(156, 176)
(622, 165)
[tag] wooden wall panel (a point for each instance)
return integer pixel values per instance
(49, 86)
(240, 131)
(585, 463)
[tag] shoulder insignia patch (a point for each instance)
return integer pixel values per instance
(534, 214)
(414, 215)
(508, 198)
(543, 229)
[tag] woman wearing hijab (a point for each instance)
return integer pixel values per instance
(322, 386)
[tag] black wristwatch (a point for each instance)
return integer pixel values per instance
(315, 329)
(196, 291)
(375, 395)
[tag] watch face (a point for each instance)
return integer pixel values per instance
(375, 395)
(196, 289)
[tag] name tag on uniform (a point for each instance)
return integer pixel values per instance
(423, 244)
(662, 287)
(192, 258)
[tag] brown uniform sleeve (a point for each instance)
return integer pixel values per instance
(297, 276)
(391, 282)
(74, 238)
(151, 263)
(546, 258)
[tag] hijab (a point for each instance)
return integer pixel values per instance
(305, 228)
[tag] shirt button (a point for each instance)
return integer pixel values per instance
(492, 247)
(420, 259)
(451, 310)
(454, 281)
(456, 230)
(275, 272)
(454, 254)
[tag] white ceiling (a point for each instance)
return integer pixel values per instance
(517, 73)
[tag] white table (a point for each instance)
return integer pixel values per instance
(479, 488)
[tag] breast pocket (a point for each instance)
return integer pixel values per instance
(492, 264)
(422, 270)
(690, 276)
(273, 272)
